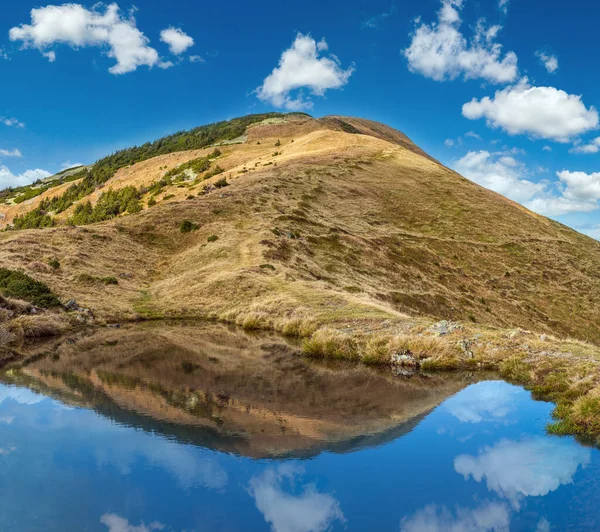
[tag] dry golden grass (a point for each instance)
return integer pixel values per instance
(378, 232)
(41, 326)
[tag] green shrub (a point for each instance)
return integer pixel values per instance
(168, 197)
(53, 263)
(21, 286)
(213, 238)
(109, 280)
(151, 202)
(221, 183)
(35, 219)
(187, 226)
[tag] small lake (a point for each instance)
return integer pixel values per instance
(179, 428)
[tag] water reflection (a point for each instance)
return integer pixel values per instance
(289, 506)
(178, 428)
(221, 388)
(488, 517)
(530, 467)
(116, 523)
(493, 402)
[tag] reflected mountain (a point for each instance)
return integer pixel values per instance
(224, 389)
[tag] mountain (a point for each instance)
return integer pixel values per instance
(284, 221)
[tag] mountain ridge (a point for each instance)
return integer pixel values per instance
(321, 219)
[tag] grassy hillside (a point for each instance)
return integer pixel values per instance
(312, 220)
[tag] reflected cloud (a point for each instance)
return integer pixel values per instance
(543, 525)
(288, 509)
(116, 523)
(189, 468)
(484, 402)
(22, 396)
(5, 451)
(531, 467)
(489, 517)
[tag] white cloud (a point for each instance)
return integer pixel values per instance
(581, 186)
(550, 62)
(473, 135)
(483, 402)
(10, 153)
(306, 511)
(303, 66)
(593, 231)
(502, 173)
(51, 55)
(177, 40)
(449, 143)
(11, 122)
(591, 147)
(489, 517)
(116, 523)
(78, 27)
(503, 5)
(196, 59)
(543, 112)
(8, 179)
(440, 51)
(499, 172)
(580, 192)
(531, 467)
(547, 148)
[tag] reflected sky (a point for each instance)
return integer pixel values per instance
(481, 461)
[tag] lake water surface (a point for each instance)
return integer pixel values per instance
(182, 429)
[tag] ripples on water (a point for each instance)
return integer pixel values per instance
(178, 428)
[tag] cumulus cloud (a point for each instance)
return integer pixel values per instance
(502, 173)
(196, 59)
(440, 51)
(483, 402)
(177, 40)
(580, 192)
(591, 147)
(78, 27)
(527, 468)
(489, 517)
(499, 172)
(303, 66)
(8, 179)
(10, 153)
(542, 112)
(116, 523)
(549, 61)
(285, 511)
(11, 122)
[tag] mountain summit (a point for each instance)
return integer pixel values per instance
(275, 219)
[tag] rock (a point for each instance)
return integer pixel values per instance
(543, 337)
(71, 305)
(114, 325)
(444, 327)
(404, 359)
(465, 346)
(126, 275)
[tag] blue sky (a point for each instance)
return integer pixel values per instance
(502, 91)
